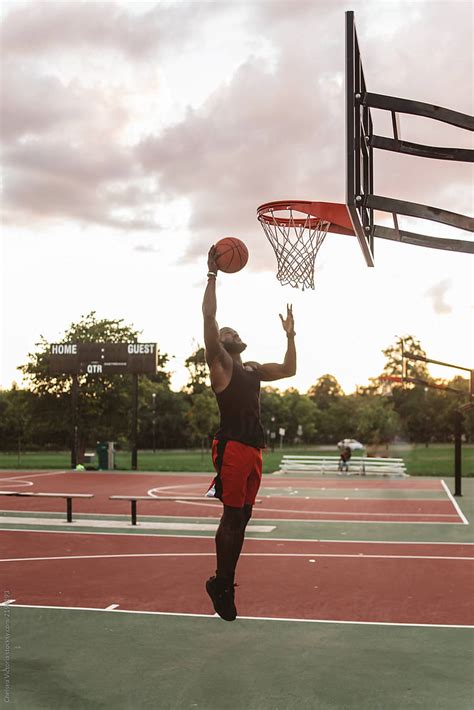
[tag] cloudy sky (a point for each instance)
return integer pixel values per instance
(136, 134)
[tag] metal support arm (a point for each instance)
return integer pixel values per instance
(419, 108)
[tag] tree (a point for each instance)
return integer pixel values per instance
(376, 421)
(163, 418)
(337, 421)
(414, 368)
(198, 371)
(298, 410)
(203, 417)
(326, 390)
(15, 419)
(427, 414)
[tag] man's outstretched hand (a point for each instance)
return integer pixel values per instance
(211, 260)
(288, 323)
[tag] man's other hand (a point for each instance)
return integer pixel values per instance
(288, 323)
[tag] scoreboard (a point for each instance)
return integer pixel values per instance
(103, 358)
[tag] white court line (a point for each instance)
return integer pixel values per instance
(111, 607)
(328, 512)
(187, 487)
(162, 489)
(36, 475)
(246, 618)
(62, 522)
(359, 556)
(360, 522)
(455, 503)
(211, 537)
(263, 496)
(21, 520)
(22, 480)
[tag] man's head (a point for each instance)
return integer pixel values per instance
(231, 341)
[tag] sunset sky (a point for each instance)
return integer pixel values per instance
(136, 134)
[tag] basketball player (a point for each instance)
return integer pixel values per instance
(238, 443)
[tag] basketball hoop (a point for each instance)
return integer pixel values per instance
(296, 229)
(388, 382)
(394, 379)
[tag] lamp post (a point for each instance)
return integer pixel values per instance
(273, 434)
(154, 421)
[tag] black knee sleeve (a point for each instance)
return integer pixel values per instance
(234, 518)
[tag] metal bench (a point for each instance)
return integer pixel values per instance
(67, 496)
(133, 501)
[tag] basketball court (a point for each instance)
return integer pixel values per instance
(349, 589)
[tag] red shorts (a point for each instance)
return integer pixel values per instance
(239, 473)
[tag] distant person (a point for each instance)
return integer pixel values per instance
(238, 443)
(346, 454)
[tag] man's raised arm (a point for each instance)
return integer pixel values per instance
(276, 371)
(209, 309)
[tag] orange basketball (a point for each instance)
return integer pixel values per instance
(231, 254)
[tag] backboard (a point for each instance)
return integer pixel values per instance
(296, 228)
(359, 152)
(361, 193)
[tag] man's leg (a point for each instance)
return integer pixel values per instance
(229, 538)
(247, 515)
(229, 541)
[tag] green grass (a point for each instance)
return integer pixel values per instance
(435, 460)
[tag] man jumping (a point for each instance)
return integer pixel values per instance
(238, 443)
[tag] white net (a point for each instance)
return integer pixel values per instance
(295, 238)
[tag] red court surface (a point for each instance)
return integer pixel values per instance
(370, 582)
(173, 481)
(280, 507)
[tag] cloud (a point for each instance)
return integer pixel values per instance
(63, 157)
(43, 28)
(273, 129)
(437, 294)
(72, 78)
(39, 28)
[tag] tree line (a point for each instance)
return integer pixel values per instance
(38, 415)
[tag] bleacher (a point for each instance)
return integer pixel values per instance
(356, 466)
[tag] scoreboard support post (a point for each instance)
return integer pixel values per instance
(74, 420)
(134, 432)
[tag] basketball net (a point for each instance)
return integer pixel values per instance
(296, 238)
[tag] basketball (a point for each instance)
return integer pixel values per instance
(231, 254)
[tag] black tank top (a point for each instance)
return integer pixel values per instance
(239, 406)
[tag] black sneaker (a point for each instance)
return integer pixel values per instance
(222, 595)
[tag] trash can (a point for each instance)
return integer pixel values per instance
(102, 450)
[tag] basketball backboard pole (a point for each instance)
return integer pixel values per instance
(361, 141)
(458, 413)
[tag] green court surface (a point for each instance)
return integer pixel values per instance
(86, 659)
